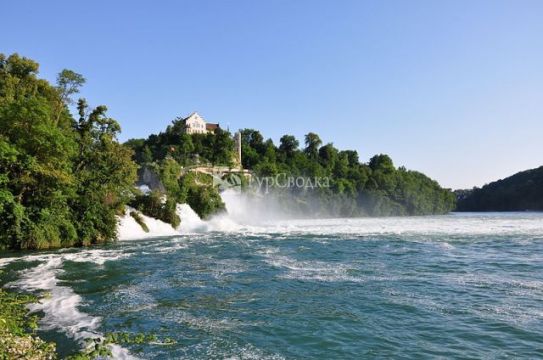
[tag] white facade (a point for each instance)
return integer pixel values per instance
(195, 124)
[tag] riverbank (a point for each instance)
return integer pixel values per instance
(18, 337)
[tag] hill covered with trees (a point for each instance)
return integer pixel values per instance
(376, 188)
(355, 188)
(520, 192)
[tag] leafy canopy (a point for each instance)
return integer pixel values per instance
(62, 180)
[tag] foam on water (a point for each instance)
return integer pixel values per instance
(251, 216)
(313, 270)
(144, 189)
(446, 224)
(251, 209)
(60, 303)
(224, 222)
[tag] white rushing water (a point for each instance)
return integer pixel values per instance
(59, 304)
(237, 214)
(249, 215)
(129, 229)
(258, 215)
(190, 221)
(246, 216)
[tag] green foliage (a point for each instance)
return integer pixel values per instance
(312, 143)
(205, 201)
(288, 145)
(377, 188)
(157, 206)
(520, 192)
(137, 217)
(17, 329)
(68, 84)
(186, 149)
(169, 172)
(381, 163)
(199, 193)
(223, 148)
(62, 181)
(168, 152)
(355, 189)
(139, 338)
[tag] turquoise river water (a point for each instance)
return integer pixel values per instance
(453, 286)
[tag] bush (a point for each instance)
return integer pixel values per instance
(136, 216)
(154, 205)
(202, 197)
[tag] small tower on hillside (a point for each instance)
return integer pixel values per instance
(237, 146)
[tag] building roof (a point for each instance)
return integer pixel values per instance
(211, 127)
(191, 115)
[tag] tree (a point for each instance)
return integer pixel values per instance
(381, 162)
(328, 155)
(68, 84)
(352, 156)
(312, 143)
(35, 160)
(105, 174)
(519, 192)
(252, 138)
(146, 155)
(288, 145)
(269, 151)
(223, 148)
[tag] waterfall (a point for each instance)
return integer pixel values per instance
(129, 229)
(242, 212)
(190, 221)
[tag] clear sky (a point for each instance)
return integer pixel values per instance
(450, 88)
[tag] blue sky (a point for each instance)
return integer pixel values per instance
(450, 88)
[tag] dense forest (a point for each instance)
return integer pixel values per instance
(376, 188)
(520, 192)
(62, 179)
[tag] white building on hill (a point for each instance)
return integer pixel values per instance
(195, 124)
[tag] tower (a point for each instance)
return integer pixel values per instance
(237, 145)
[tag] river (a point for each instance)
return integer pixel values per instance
(452, 286)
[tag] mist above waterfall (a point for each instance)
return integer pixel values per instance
(250, 208)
